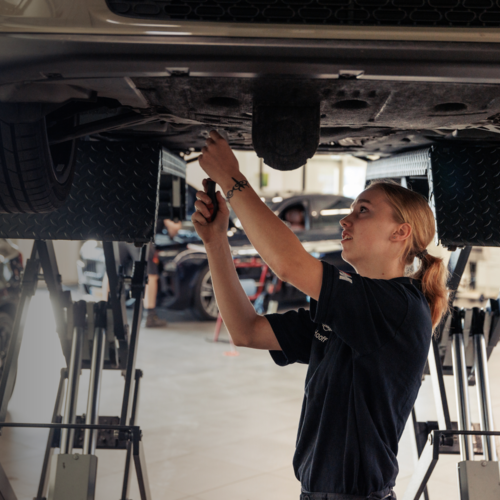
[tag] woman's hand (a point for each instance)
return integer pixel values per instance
(218, 160)
(217, 229)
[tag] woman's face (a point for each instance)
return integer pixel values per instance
(370, 230)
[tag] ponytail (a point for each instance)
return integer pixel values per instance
(433, 275)
(412, 208)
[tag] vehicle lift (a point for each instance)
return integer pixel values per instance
(461, 347)
(103, 205)
(461, 184)
(93, 336)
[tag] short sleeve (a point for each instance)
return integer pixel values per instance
(294, 331)
(365, 313)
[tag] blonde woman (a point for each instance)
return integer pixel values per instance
(365, 338)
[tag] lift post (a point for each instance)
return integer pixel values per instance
(67, 472)
(478, 480)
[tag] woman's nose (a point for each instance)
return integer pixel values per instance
(344, 222)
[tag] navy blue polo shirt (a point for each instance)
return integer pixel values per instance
(366, 342)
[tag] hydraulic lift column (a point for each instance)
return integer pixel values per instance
(478, 480)
(92, 417)
(483, 396)
(461, 385)
(74, 369)
(70, 472)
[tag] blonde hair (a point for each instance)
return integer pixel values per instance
(412, 208)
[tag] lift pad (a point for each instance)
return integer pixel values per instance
(114, 197)
(463, 186)
(478, 480)
(74, 476)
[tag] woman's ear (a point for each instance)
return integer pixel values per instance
(403, 232)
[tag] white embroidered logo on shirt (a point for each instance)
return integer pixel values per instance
(344, 276)
(326, 328)
(320, 337)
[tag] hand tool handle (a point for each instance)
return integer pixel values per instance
(214, 207)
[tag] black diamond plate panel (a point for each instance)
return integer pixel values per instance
(466, 195)
(113, 198)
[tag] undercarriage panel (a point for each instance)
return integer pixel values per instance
(375, 98)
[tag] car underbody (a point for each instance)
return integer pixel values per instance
(362, 98)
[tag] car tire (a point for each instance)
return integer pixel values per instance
(6, 324)
(35, 177)
(204, 303)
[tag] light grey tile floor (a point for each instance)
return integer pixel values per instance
(215, 427)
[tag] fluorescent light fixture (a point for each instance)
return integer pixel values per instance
(167, 33)
(336, 211)
(277, 199)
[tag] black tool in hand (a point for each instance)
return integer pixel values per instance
(214, 207)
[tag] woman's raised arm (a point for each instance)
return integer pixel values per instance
(246, 327)
(272, 239)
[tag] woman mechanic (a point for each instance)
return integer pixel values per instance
(365, 338)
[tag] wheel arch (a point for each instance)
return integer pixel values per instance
(189, 264)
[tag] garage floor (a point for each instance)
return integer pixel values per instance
(215, 427)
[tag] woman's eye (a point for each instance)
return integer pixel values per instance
(361, 208)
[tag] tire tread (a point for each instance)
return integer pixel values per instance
(24, 181)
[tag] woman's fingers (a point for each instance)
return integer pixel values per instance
(202, 208)
(215, 136)
(203, 196)
(198, 218)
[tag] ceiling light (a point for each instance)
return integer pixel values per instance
(336, 211)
